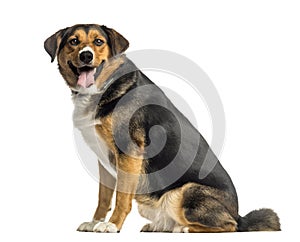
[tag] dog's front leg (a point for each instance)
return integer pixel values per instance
(128, 172)
(106, 189)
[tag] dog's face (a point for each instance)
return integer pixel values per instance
(82, 51)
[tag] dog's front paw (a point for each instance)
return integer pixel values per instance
(105, 227)
(87, 226)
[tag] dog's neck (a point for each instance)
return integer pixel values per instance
(109, 68)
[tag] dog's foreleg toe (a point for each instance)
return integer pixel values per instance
(105, 227)
(87, 226)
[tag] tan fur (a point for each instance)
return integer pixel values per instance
(105, 131)
(109, 68)
(203, 229)
(170, 206)
(67, 73)
(129, 169)
(106, 190)
(101, 52)
(69, 52)
(164, 213)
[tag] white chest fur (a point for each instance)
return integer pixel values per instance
(84, 121)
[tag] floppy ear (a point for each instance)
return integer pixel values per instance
(116, 41)
(52, 43)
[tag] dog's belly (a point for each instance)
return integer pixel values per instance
(84, 121)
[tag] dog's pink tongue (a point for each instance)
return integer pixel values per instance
(86, 79)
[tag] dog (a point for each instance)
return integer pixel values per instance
(115, 114)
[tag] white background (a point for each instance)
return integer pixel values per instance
(250, 50)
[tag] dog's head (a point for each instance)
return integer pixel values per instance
(82, 51)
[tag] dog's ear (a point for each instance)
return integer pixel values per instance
(116, 41)
(51, 44)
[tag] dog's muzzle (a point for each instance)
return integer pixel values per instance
(87, 74)
(86, 57)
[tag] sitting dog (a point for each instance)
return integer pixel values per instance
(115, 111)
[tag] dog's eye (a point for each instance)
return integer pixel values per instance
(74, 41)
(98, 42)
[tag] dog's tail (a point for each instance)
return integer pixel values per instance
(259, 220)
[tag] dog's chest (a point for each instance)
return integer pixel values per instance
(84, 120)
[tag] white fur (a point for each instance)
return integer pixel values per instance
(181, 229)
(87, 91)
(87, 226)
(159, 216)
(161, 221)
(164, 213)
(86, 48)
(83, 120)
(105, 227)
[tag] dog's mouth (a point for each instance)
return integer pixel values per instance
(86, 74)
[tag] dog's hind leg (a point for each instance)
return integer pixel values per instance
(190, 208)
(205, 209)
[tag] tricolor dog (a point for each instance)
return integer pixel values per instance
(115, 114)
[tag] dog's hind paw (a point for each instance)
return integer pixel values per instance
(181, 229)
(147, 228)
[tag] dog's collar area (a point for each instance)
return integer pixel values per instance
(106, 85)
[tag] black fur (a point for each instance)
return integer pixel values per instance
(170, 119)
(173, 121)
(259, 220)
(210, 207)
(213, 200)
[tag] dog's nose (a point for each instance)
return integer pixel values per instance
(86, 57)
